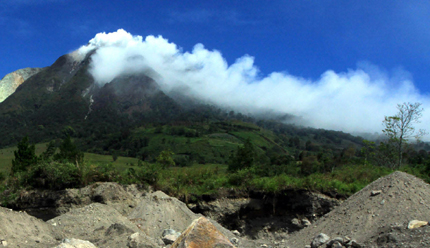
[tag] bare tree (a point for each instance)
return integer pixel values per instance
(400, 129)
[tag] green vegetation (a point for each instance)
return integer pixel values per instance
(201, 151)
(246, 170)
(25, 156)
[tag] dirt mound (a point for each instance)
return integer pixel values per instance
(18, 229)
(388, 202)
(158, 211)
(47, 204)
(98, 223)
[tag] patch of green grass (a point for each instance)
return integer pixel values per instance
(196, 179)
(121, 164)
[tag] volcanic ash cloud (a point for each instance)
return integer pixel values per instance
(353, 101)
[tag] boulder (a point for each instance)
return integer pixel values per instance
(203, 234)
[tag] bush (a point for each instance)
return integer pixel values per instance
(147, 173)
(53, 175)
(241, 177)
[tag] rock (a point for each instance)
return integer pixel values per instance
(235, 241)
(75, 243)
(306, 222)
(169, 239)
(203, 234)
(236, 232)
(375, 192)
(417, 223)
(319, 240)
(169, 236)
(170, 232)
(336, 244)
(300, 223)
(3, 243)
(353, 244)
(337, 239)
(296, 223)
(138, 240)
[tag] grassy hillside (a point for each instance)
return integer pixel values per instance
(122, 163)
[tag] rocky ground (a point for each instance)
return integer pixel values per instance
(110, 215)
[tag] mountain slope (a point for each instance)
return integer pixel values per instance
(134, 117)
(11, 81)
(65, 94)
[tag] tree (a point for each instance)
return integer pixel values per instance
(244, 157)
(165, 159)
(400, 129)
(69, 152)
(25, 156)
(49, 152)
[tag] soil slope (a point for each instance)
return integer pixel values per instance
(364, 215)
(18, 229)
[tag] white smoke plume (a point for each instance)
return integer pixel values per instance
(353, 101)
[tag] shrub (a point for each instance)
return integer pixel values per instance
(241, 177)
(53, 175)
(147, 173)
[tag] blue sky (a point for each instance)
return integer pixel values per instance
(300, 38)
(304, 38)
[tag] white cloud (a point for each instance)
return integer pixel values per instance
(352, 101)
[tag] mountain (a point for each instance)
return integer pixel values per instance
(64, 94)
(133, 116)
(11, 81)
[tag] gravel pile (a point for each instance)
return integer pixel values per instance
(384, 206)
